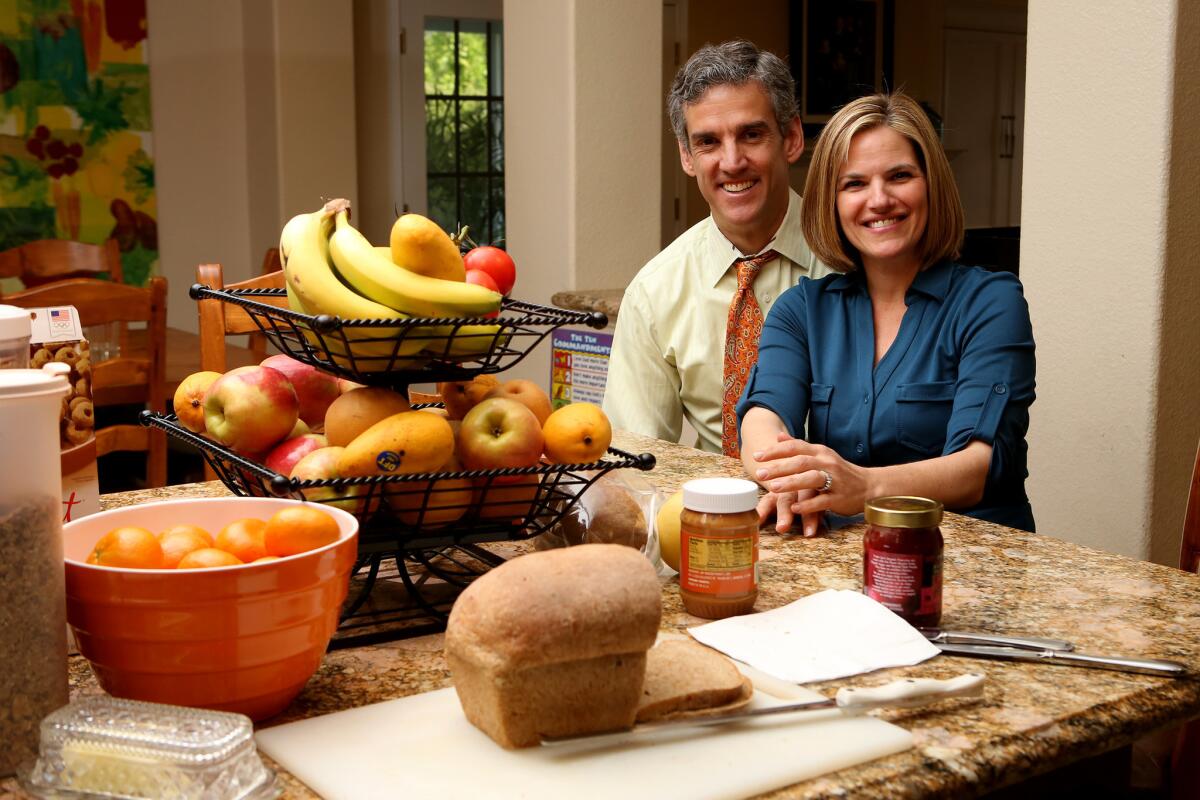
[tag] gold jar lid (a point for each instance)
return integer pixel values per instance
(904, 512)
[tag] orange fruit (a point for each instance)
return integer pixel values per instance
(264, 558)
(208, 557)
(243, 539)
(578, 433)
(432, 503)
(179, 540)
(298, 529)
(130, 546)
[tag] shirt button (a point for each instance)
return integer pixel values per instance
(858, 447)
(866, 399)
(999, 388)
(766, 298)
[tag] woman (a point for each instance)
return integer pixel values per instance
(914, 373)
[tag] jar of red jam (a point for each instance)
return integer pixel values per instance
(902, 557)
(718, 547)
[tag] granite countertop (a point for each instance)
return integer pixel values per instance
(606, 300)
(1033, 718)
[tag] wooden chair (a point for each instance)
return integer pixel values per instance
(1185, 761)
(219, 319)
(100, 302)
(38, 263)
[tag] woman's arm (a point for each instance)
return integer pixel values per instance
(792, 465)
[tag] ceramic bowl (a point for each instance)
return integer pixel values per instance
(244, 638)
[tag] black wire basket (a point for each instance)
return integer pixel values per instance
(422, 510)
(392, 352)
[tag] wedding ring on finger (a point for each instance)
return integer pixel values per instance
(828, 482)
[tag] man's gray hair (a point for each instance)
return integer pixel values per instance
(731, 63)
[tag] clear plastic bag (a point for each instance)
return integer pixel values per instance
(620, 507)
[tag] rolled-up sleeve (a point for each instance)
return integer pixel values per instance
(995, 384)
(781, 380)
(642, 392)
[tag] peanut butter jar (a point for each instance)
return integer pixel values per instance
(718, 537)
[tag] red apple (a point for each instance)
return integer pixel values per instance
(314, 388)
(321, 465)
(500, 432)
(528, 393)
(285, 455)
(189, 399)
(251, 409)
(481, 278)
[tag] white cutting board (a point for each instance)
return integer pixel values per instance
(423, 746)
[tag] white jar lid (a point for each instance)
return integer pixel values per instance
(51, 379)
(14, 323)
(720, 495)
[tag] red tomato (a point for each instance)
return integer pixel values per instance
(494, 262)
(483, 279)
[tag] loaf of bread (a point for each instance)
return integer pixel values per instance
(554, 643)
(684, 678)
(605, 513)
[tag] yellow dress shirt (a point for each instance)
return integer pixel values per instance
(667, 358)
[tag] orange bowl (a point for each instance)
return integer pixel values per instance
(244, 638)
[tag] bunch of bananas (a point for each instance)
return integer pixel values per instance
(331, 268)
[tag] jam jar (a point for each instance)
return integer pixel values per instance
(718, 547)
(902, 557)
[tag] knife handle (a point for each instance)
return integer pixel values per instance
(908, 692)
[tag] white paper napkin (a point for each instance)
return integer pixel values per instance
(826, 635)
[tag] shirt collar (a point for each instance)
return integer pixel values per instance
(788, 241)
(933, 282)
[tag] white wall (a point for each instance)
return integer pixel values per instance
(253, 114)
(582, 168)
(1107, 184)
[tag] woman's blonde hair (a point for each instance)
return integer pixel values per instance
(943, 234)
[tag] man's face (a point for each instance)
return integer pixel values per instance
(740, 158)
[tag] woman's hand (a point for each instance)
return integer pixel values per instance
(810, 478)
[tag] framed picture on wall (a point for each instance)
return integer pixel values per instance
(845, 49)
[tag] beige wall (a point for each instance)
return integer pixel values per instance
(253, 121)
(1108, 230)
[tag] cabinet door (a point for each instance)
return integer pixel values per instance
(984, 101)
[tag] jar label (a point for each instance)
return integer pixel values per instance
(907, 583)
(718, 565)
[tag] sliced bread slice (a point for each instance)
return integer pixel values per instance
(683, 676)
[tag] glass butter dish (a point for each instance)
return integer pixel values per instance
(105, 747)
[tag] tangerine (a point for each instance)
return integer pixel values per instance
(243, 539)
(207, 558)
(130, 546)
(177, 542)
(578, 433)
(298, 529)
(264, 558)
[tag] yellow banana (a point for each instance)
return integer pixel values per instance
(376, 277)
(313, 288)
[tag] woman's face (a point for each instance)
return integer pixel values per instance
(883, 198)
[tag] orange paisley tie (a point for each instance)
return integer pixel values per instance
(741, 344)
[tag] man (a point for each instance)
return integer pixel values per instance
(733, 111)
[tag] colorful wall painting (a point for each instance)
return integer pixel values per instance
(75, 134)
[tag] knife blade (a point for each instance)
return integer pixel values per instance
(1145, 666)
(937, 635)
(904, 693)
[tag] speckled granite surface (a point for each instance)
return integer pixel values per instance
(606, 300)
(1033, 718)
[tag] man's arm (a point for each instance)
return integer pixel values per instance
(642, 393)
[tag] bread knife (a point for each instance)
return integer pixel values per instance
(904, 693)
(1145, 666)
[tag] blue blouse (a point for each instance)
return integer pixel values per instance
(961, 368)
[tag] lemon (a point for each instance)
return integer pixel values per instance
(667, 524)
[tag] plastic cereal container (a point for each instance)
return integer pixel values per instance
(106, 747)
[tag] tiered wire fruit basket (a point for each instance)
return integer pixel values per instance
(421, 534)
